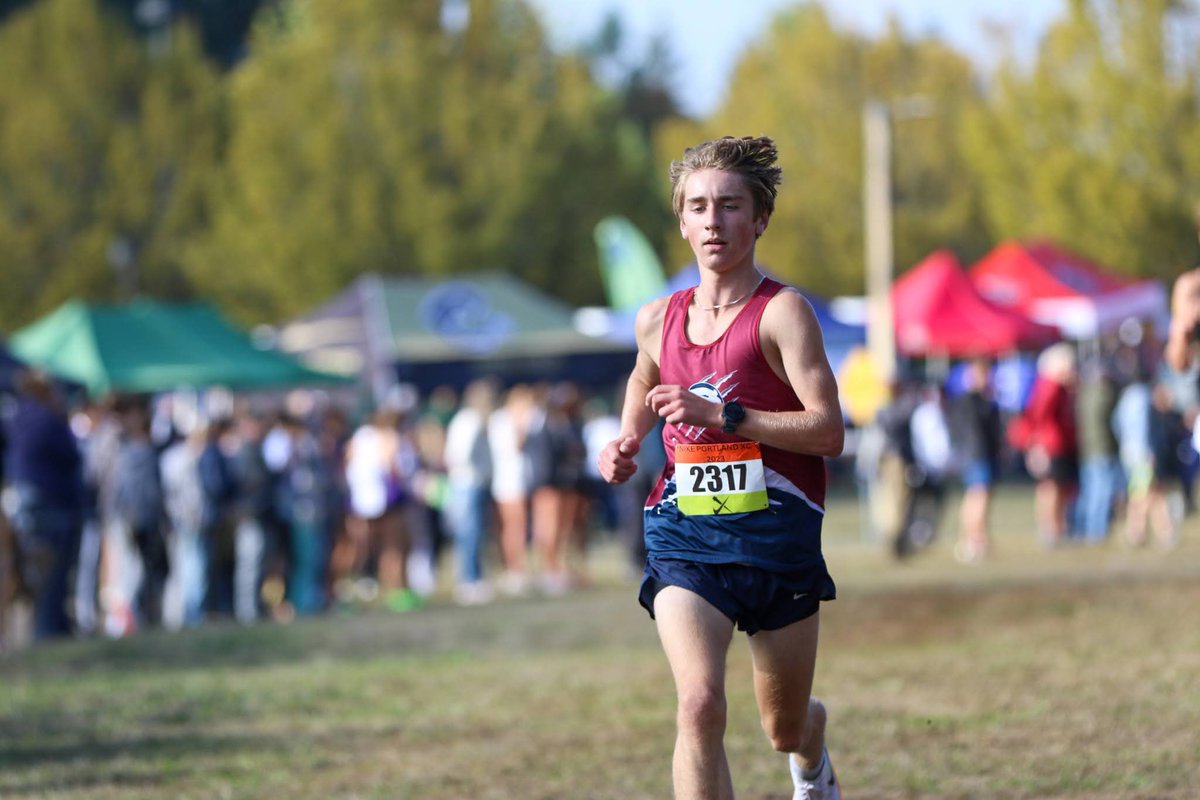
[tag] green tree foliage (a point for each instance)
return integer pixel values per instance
(1098, 145)
(805, 84)
(641, 80)
(421, 136)
(929, 88)
(371, 135)
(104, 150)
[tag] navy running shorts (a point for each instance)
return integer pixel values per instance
(753, 598)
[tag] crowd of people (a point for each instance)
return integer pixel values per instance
(1105, 432)
(126, 514)
(140, 512)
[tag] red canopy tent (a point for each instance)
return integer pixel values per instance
(1056, 287)
(937, 311)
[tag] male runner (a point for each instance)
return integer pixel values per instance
(736, 369)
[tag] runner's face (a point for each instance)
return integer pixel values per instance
(718, 219)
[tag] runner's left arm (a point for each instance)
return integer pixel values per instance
(795, 349)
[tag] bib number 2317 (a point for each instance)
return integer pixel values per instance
(723, 478)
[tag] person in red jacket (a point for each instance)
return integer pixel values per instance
(736, 369)
(1046, 433)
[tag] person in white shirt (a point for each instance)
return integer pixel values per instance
(508, 428)
(468, 460)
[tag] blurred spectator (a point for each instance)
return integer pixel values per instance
(8, 577)
(183, 497)
(98, 435)
(568, 406)
(558, 503)
(1169, 437)
(219, 486)
(115, 558)
(272, 445)
(1132, 424)
(1045, 432)
(926, 476)
(332, 437)
(45, 500)
(301, 498)
(468, 462)
(255, 520)
(1100, 474)
(975, 424)
(425, 515)
(441, 405)
(375, 477)
(544, 534)
(512, 474)
(9, 589)
(888, 482)
(600, 427)
(138, 505)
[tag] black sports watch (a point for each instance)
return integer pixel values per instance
(733, 413)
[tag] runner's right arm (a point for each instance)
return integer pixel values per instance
(637, 419)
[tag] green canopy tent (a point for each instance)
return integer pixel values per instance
(147, 346)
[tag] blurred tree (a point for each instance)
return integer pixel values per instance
(1098, 145)
(929, 87)
(805, 85)
(9, 6)
(642, 80)
(104, 150)
(223, 25)
(646, 94)
(384, 135)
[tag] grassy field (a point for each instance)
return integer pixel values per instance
(1041, 674)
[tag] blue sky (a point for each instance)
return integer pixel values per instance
(708, 35)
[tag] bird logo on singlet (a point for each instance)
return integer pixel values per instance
(712, 391)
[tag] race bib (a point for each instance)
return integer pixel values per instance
(724, 478)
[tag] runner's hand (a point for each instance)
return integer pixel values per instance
(680, 406)
(616, 459)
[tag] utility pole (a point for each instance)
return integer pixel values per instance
(878, 116)
(880, 249)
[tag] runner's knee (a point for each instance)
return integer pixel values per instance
(702, 711)
(791, 733)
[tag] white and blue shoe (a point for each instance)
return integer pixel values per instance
(823, 787)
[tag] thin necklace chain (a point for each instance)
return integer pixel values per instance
(761, 278)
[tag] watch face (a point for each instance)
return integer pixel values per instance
(733, 414)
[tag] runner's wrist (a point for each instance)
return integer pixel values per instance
(733, 415)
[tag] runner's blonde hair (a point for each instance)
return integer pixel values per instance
(753, 157)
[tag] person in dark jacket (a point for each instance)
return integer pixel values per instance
(44, 471)
(138, 503)
(219, 488)
(301, 499)
(977, 431)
